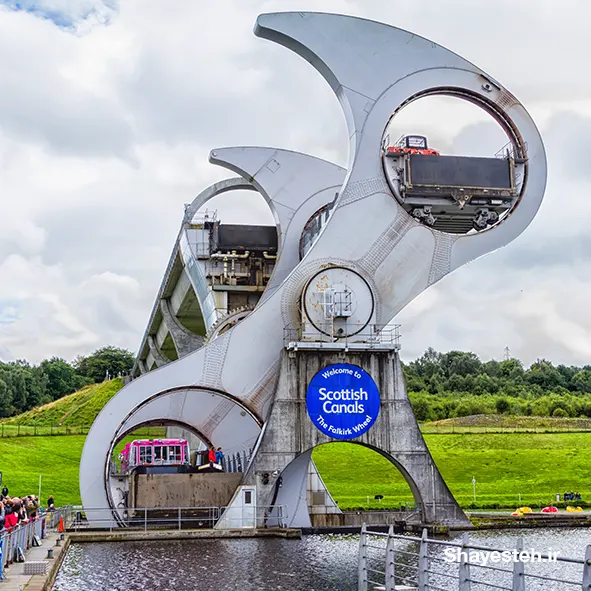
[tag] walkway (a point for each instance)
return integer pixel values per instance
(16, 580)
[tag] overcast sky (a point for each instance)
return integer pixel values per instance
(108, 111)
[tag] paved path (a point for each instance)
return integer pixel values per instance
(17, 581)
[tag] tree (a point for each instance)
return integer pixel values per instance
(460, 363)
(544, 374)
(427, 365)
(421, 408)
(582, 381)
(502, 405)
(6, 407)
(111, 360)
(61, 378)
(512, 369)
(484, 384)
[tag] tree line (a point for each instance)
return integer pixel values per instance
(458, 383)
(440, 385)
(24, 386)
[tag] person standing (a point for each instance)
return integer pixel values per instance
(219, 455)
(4, 491)
(212, 457)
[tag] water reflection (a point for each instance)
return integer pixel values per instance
(314, 563)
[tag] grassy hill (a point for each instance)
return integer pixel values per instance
(79, 409)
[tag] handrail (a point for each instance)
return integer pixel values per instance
(144, 518)
(372, 335)
(426, 569)
(14, 542)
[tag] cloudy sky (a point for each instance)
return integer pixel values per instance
(108, 110)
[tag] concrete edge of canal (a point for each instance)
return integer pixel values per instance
(183, 534)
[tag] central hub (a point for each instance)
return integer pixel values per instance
(337, 302)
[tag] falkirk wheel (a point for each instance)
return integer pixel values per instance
(314, 361)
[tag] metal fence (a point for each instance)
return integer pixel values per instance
(390, 562)
(8, 430)
(16, 541)
(179, 518)
(427, 429)
(383, 336)
(236, 462)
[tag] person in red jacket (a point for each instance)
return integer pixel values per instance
(212, 454)
(10, 519)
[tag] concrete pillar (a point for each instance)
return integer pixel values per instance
(157, 353)
(290, 436)
(184, 340)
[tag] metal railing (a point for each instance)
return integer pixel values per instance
(9, 430)
(16, 541)
(388, 562)
(177, 518)
(236, 462)
(340, 333)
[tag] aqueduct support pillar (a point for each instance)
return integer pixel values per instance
(290, 434)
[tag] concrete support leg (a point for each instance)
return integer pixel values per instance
(157, 353)
(289, 437)
(184, 340)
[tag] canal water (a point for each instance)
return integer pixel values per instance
(314, 563)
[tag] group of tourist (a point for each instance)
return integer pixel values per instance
(571, 496)
(216, 455)
(20, 510)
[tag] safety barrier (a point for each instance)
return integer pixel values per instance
(378, 336)
(145, 518)
(390, 562)
(15, 542)
(8, 430)
(236, 462)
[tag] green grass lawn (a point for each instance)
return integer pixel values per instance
(80, 408)
(537, 466)
(56, 458)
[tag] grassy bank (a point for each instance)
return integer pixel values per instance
(537, 466)
(56, 458)
(505, 465)
(78, 409)
(507, 424)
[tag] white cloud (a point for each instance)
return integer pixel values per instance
(78, 16)
(104, 137)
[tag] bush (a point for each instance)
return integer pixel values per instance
(559, 412)
(502, 406)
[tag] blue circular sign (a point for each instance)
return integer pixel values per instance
(343, 401)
